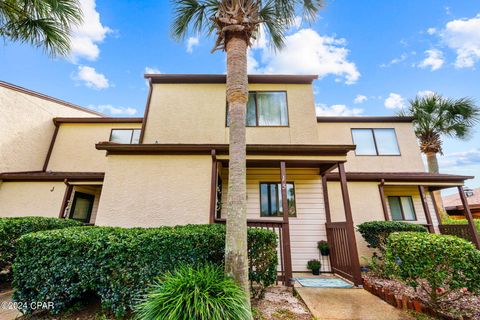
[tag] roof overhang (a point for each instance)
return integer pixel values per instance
(51, 176)
(221, 78)
(59, 120)
(406, 178)
(364, 119)
(222, 149)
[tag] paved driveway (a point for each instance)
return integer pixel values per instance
(348, 304)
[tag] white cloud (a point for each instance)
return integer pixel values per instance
(463, 36)
(394, 101)
(92, 78)
(360, 98)
(152, 70)
(86, 36)
(402, 58)
(425, 93)
(336, 110)
(114, 111)
(307, 52)
(431, 31)
(461, 159)
(433, 60)
(192, 42)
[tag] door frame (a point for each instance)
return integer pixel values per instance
(83, 195)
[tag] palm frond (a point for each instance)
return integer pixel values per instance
(192, 16)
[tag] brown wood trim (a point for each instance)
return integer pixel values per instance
(381, 190)
(435, 207)
(66, 197)
(468, 216)
(48, 98)
(286, 227)
(401, 177)
(426, 210)
(326, 201)
(222, 149)
(50, 148)
(147, 110)
(59, 120)
(221, 78)
(213, 188)
(52, 176)
(364, 119)
(352, 244)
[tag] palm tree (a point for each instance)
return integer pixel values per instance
(235, 24)
(41, 23)
(436, 117)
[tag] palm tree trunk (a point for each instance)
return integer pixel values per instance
(236, 259)
(433, 168)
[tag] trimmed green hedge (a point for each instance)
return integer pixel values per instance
(13, 228)
(377, 232)
(443, 261)
(118, 264)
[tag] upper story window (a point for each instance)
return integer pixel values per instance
(265, 109)
(375, 142)
(127, 136)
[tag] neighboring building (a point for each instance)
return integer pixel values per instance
(171, 167)
(454, 207)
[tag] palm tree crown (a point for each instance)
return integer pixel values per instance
(42, 23)
(436, 116)
(244, 16)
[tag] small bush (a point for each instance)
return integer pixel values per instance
(445, 263)
(201, 293)
(118, 264)
(313, 264)
(13, 228)
(376, 233)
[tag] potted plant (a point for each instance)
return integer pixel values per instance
(324, 247)
(314, 265)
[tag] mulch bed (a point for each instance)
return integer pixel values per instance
(400, 295)
(279, 303)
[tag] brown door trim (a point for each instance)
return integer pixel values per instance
(381, 190)
(66, 197)
(426, 210)
(286, 226)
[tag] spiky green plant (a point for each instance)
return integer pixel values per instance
(202, 293)
(235, 24)
(41, 23)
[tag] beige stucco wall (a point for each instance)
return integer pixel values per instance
(74, 148)
(308, 227)
(19, 199)
(409, 160)
(149, 191)
(196, 113)
(26, 129)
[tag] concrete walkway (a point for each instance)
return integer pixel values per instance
(347, 304)
(7, 312)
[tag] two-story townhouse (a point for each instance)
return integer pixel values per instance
(171, 167)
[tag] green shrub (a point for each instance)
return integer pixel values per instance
(444, 262)
(201, 293)
(13, 228)
(313, 264)
(118, 264)
(376, 233)
(462, 221)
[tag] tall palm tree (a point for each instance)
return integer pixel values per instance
(41, 23)
(436, 117)
(236, 24)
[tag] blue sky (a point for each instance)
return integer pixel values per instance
(370, 58)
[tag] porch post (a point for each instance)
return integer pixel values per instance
(381, 190)
(435, 207)
(213, 188)
(426, 210)
(352, 244)
(326, 202)
(286, 226)
(66, 197)
(468, 215)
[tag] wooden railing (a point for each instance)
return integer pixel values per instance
(276, 226)
(459, 230)
(340, 257)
